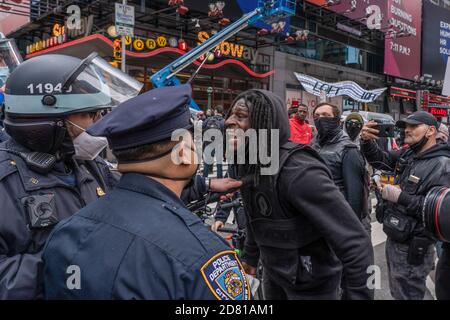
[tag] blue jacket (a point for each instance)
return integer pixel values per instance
(23, 193)
(3, 135)
(140, 242)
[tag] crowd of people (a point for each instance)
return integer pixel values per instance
(75, 226)
(352, 146)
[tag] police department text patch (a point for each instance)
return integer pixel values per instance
(225, 276)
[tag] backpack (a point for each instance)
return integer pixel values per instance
(213, 122)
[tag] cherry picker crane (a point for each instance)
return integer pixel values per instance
(268, 11)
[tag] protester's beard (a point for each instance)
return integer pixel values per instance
(327, 128)
(300, 119)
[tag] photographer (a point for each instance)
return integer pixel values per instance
(422, 166)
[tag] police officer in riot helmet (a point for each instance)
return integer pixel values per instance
(49, 168)
(425, 164)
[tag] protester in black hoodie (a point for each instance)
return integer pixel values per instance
(424, 165)
(342, 157)
(298, 222)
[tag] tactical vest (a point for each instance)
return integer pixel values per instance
(332, 153)
(270, 220)
(415, 177)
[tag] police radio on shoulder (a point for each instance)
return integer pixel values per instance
(36, 161)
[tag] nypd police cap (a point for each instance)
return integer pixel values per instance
(148, 118)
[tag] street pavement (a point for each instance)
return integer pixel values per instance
(379, 245)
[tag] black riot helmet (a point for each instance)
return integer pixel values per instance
(436, 213)
(42, 91)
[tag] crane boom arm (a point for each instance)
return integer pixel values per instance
(268, 10)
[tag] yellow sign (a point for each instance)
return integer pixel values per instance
(128, 40)
(226, 48)
(138, 45)
(151, 44)
(161, 41)
(58, 30)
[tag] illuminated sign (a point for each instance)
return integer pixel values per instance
(403, 93)
(138, 45)
(62, 33)
(48, 43)
(58, 30)
(439, 112)
(227, 48)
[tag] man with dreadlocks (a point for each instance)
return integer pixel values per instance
(298, 223)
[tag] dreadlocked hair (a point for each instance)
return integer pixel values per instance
(261, 115)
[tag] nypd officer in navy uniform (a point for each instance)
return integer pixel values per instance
(139, 241)
(3, 135)
(49, 167)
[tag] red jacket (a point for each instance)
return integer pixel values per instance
(300, 132)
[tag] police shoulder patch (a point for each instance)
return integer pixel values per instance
(225, 277)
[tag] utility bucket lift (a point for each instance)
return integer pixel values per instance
(267, 11)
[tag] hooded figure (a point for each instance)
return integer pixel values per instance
(292, 214)
(353, 125)
(342, 157)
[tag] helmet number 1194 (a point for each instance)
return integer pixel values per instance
(48, 88)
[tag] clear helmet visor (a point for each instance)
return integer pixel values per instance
(10, 58)
(96, 76)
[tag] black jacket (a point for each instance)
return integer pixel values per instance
(348, 169)
(432, 168)
(21, 245)
(307, 194)
(3, 135)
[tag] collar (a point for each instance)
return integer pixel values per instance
(330, 140)
(140, 183)
(35, 181)
(435, 151)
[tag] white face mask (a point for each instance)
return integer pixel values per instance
(87, 147)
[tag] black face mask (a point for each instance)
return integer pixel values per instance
(327, 127)
(401, 138)
(66, 150)
(40, 135)
(419, 145)
(353, 129)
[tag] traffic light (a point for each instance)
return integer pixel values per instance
(117, 50)
(422, 99)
